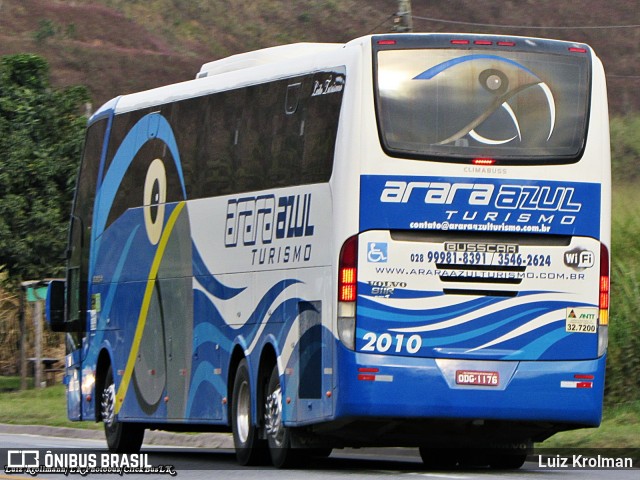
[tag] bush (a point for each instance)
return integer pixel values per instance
(625, 148)
(623, 365)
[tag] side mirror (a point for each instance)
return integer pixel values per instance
(55, 306)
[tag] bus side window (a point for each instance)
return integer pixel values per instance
(81, 221)
(321, 126)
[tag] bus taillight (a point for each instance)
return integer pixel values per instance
(348, 273)
(604, 285)
(347, 291)
(603, 303)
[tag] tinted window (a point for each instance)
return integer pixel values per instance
(464, 104)
(264, 136)
(80, 233)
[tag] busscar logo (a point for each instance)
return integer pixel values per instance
(481, 247)
(579, 259)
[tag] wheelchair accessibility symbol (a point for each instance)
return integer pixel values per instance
(377, 252)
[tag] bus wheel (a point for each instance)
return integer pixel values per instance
(249, 449)
(508, 459)
(121, 437)
(439, 458)
(278, 436)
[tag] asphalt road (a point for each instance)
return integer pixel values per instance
(204, 462)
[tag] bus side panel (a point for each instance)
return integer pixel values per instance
(261, 278)
(144, 302)
(182, 271)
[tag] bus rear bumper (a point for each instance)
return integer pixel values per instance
(562, 392)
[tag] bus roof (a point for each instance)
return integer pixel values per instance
(230, 72)
(265, 64)
(264, 56)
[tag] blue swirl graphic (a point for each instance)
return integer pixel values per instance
(433, 71)
(209, 282)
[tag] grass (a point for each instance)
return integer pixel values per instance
(620, 428)
(8, 384)
(45, 406)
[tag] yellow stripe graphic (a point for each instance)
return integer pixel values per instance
(144, 310)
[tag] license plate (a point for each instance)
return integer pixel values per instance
(473, 377)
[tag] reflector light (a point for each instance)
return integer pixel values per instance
(386, 42)
(604, 317)
(366, 377)
(347, 271)
(506, 44)
(579, 376)
(571, 384)
(483, 42)
(460, 42)
(577, 50)
(483, 161)
(368, 370)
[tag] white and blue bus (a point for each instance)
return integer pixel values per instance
(398, 241)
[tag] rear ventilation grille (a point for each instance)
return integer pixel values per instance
(486, 293)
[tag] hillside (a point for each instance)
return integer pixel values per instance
(120, 46)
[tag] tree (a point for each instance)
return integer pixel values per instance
(41, 136)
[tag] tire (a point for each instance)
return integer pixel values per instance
(122, 437)
(495, 458)
(439, 458)
(473, 457)
(320, 452)
(250, 450)
(278, 436)
(507, 459)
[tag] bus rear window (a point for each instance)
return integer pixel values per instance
(448, 104)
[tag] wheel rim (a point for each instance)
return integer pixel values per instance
(273, 416)
(108, 405)
(242, 412)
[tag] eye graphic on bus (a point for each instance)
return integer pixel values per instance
(155, 196)
(501, 80)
